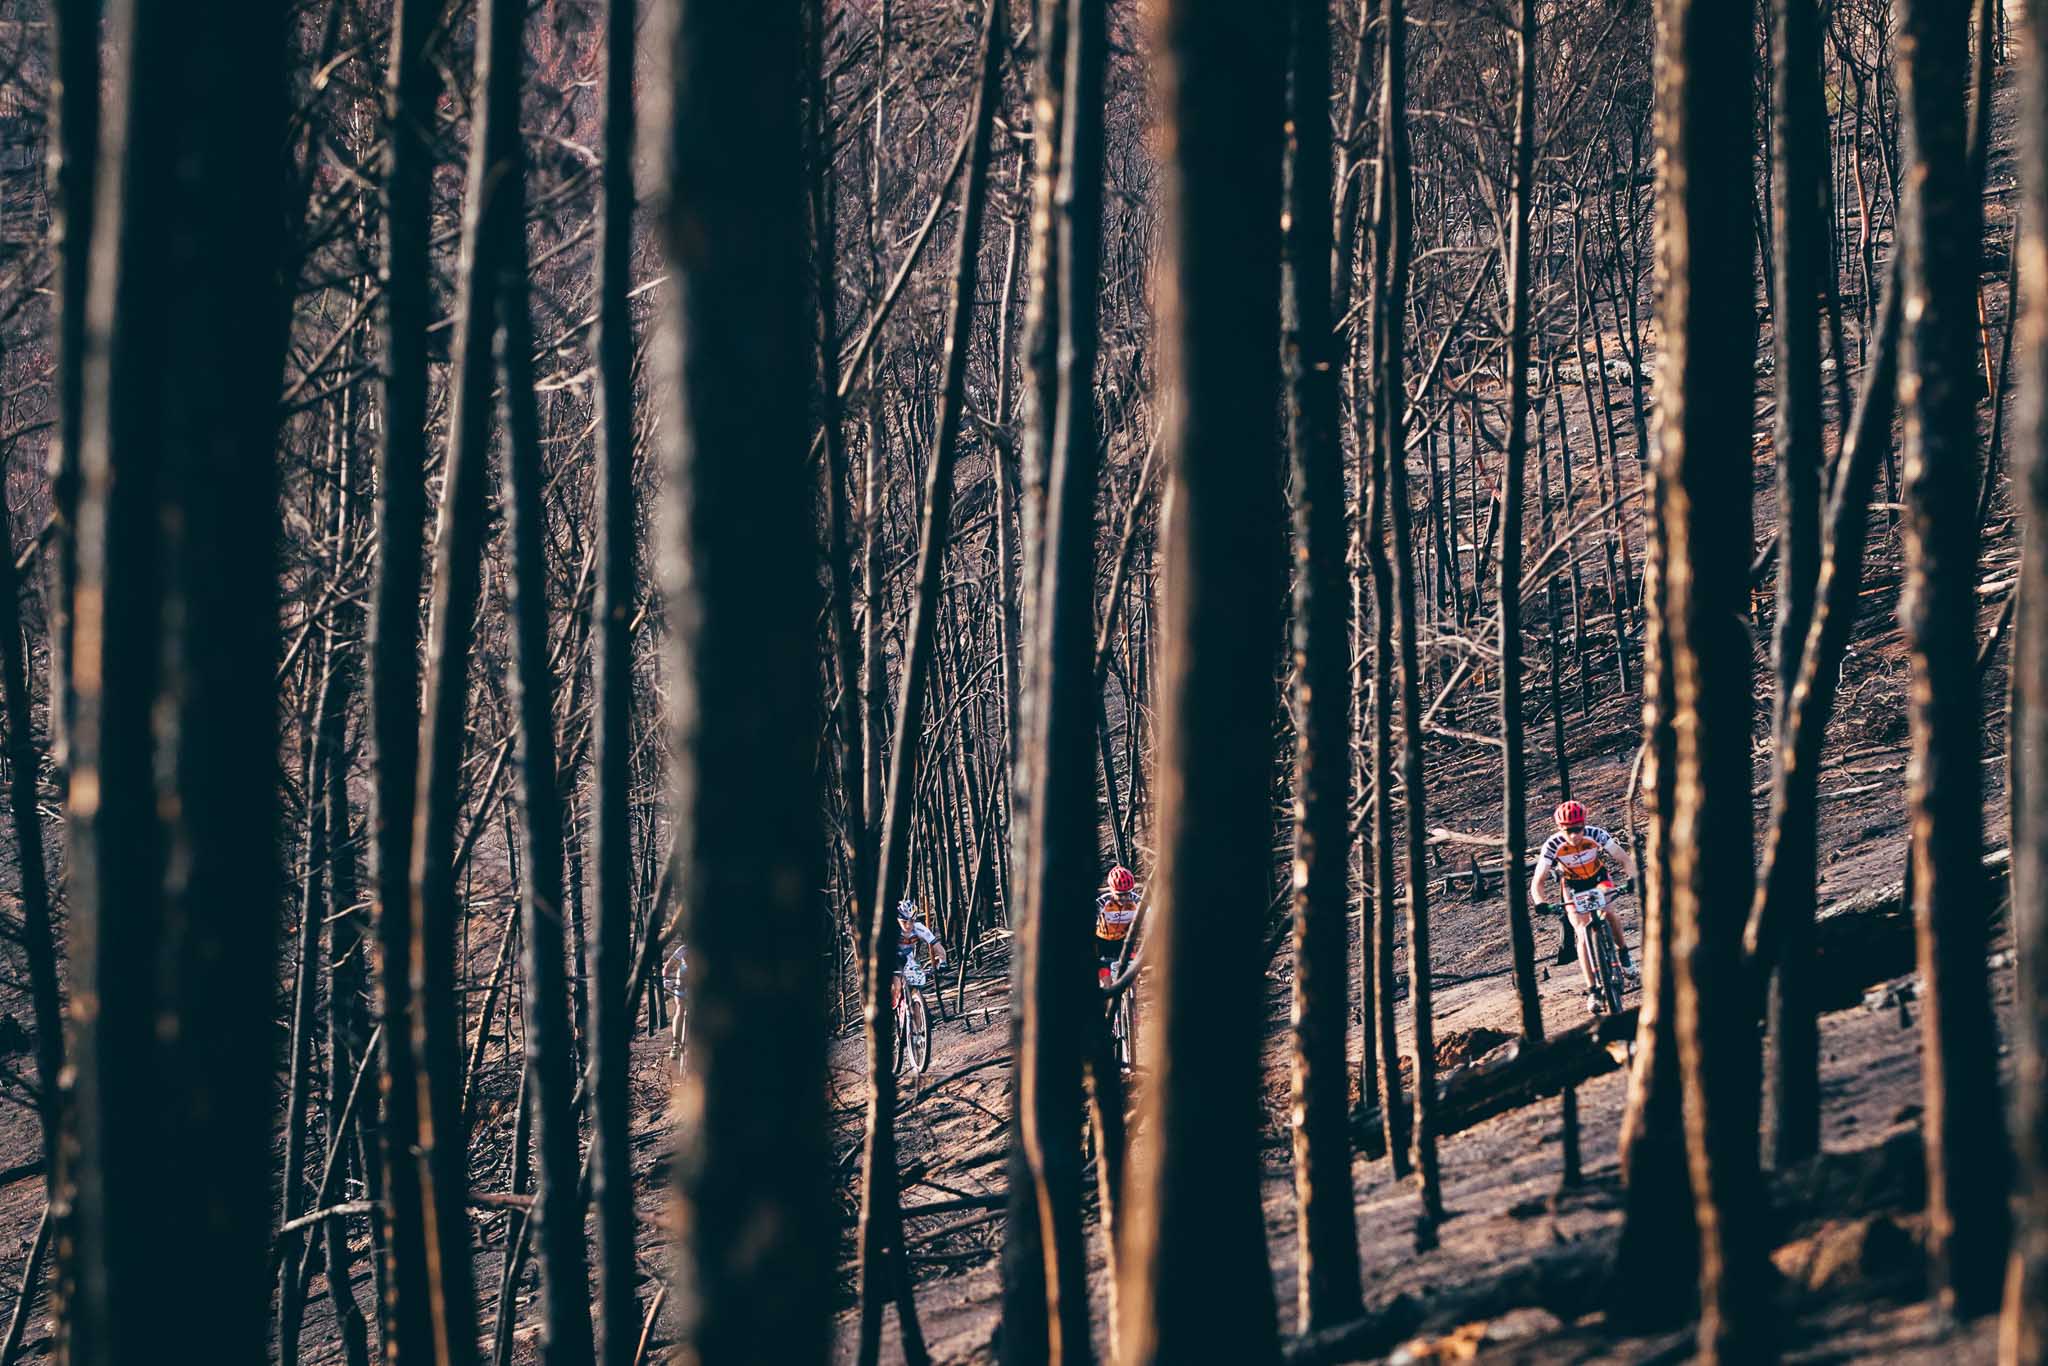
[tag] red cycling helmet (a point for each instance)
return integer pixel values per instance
(1121, 879)
(1570, 814)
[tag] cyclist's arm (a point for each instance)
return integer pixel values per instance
(1543, 870)
(1624, 865)
(1619, 860)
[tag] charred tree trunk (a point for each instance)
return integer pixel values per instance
(757, 1260)
(312, 941)
(611, 1014)
(848, 713)
(1786, 887)
(38, 943)
(1801, 261)
(1059, 1010)
(1940, 221)
(1656, 1264)
(1705, 396)
(406, 1328)
(442, 1144)
(348, 1027)
(2023, 1335)
(1025, 1335)
(1327, 1283)
(884, 1268)
(1380, 891)
(549, 1021)
(1196, 1280)
(74, 134)
(174, 881)
(1395, 231)
(1514, 776)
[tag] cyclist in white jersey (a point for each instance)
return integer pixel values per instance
(1580, 858)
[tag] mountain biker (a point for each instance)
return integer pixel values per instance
(913, 931)
(1580, 857)
(672, 982)
(1115, 910)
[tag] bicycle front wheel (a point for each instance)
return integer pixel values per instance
(920, 1034)
(1610, 969)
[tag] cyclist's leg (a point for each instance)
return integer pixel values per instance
(1107, 951)
(1581, 924)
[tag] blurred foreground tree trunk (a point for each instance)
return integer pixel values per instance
(1197, 1285)
(174, 878)
(2023, 1335)
(755, 1281)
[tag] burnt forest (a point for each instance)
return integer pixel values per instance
(1160, 682)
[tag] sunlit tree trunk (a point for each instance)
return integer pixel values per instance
(1657, 1259)
(1705, 391)
(1061, 867)
(1940, 222)
(1025, 1337)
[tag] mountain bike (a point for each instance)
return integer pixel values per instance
(1609, 982)
(913, 1022)
(1122, 991)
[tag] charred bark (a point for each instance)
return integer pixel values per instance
(1327, 1283)
(756, 1257)
(1705, 396)
(174, 879)
(611, 1015)
(1940, 223)
(1196, 1281)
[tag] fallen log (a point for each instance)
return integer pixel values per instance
(1569, 1281)
(1515, 1075)
(1859, 941)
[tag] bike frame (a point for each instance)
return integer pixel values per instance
(1600, 951)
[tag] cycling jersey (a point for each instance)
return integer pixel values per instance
(1114, 913)
(672, 974)
(1580, 857)
(906, 945)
